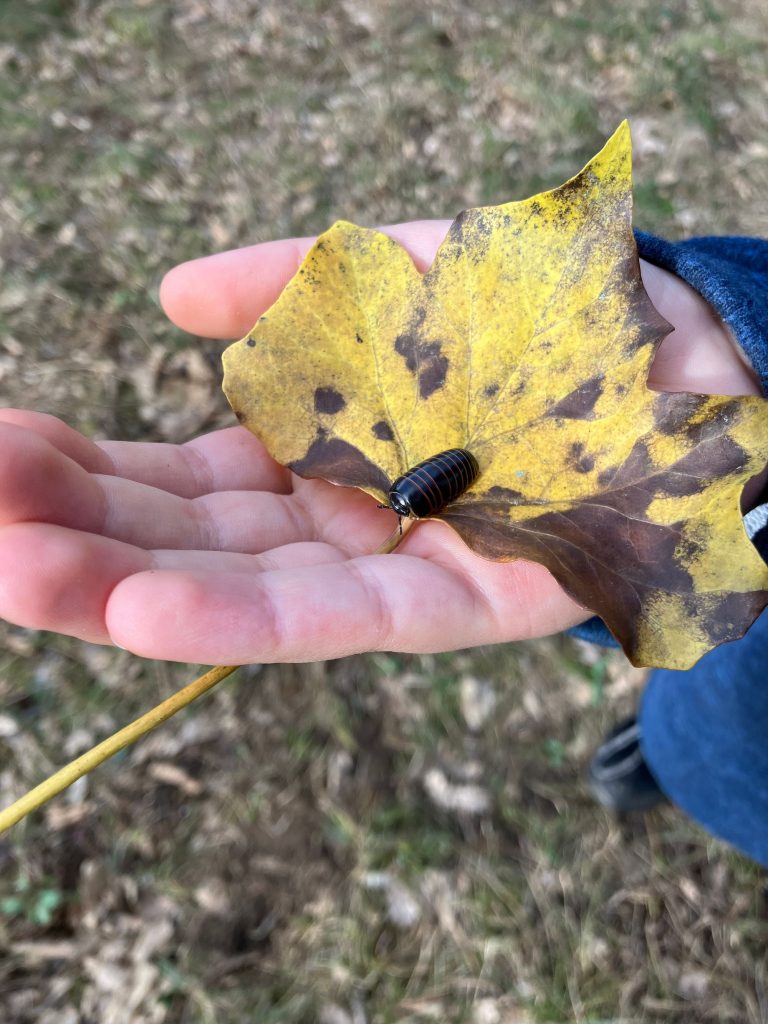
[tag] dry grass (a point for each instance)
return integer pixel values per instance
(290, 850)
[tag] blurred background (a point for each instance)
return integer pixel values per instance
(384, 838)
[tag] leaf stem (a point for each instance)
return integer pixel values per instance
(395, 538)
(71, 772)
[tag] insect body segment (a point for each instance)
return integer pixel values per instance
(434, 483)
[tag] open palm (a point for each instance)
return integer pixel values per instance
(212, 552)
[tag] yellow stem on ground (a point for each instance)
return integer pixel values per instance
(71, 772)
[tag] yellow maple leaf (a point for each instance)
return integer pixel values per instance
(528, 342)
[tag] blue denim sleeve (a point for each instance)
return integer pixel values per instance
(732, 275)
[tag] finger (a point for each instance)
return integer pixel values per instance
(244, 521)
(68, 441)
(39, 484)
(232, 459)
(222, 296)
(372, 603)
(59, 579)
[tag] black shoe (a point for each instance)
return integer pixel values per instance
(619, 778)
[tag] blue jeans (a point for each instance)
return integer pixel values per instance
(704, 734)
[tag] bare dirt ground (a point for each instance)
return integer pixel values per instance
(384, 838)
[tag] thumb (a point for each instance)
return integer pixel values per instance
(700, 355)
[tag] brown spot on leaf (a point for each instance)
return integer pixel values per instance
(637, 466)
(383, 431)
(508, 494)
(571, 544)
(340, 462)
(693, 544)
(580, 403)
(329, 400)
(580, 460)
(671, 417)
(426, 360)
(733, 614)
(715, 455)
(491, 390)
(250, 342)
(713, 426)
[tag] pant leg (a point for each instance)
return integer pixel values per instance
(704, 734)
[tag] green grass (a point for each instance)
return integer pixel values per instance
(23, 22)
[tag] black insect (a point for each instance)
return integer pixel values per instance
(434, 483)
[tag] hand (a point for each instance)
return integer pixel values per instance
(211, 552)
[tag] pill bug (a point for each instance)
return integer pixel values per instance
(432, 484)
